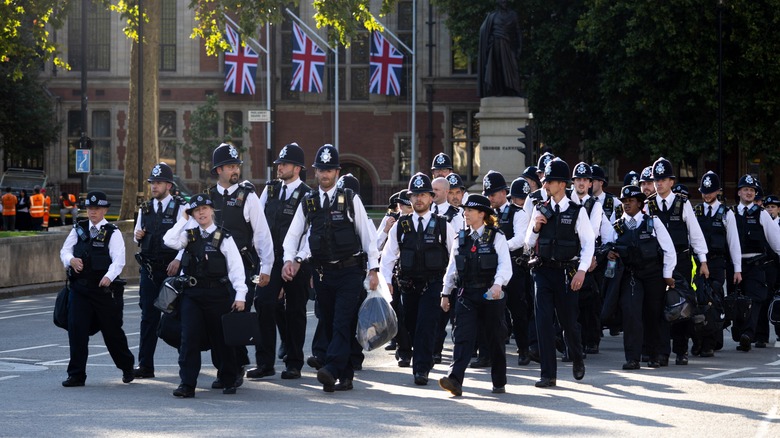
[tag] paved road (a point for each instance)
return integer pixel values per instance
(734, 394)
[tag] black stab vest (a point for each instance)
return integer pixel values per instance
(426, 258)
(93, 252)
(714, 230)
(558, 239)
(203, 259)
(477, 262)
(672, 220)
(156, 225)
(279, 214)
(332, 236)
(751, 234)
(229, 214)
(639, 248)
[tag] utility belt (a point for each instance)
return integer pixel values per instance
(555, 264)
(150, 263)
(521, 260)
(349, 262)
(418, 284)
(682, 251)
(755, 260)
(205, 282)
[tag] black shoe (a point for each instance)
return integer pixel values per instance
(217, 384)
(240, 376)
(420, 379)
(314, 362)
(143, 373)
(566, 357)
(523, 358)
(695, 349)
(760, 344)
(260, 372)
(357, 366)
(451, 385)
(593, 349)
(391, 346)
(404, 363)
(744, 343)
(343, 385)
(653, 364)
(229, 390)
(631, 365)
(481, 363)
(545, 382)
(498, 390)
(184, 391)
(707, 353)
(578, 370)
(326, 378)
(663, 360)
(72, 382)
(614, 332)
(437, 358)
(682, 359)
(128, 376)
(534, 355)
(291, 373)
(282, 352)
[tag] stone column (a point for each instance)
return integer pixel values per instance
(499, 150)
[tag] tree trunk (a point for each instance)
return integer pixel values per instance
(150, 152)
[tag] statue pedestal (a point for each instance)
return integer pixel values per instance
(499, 150)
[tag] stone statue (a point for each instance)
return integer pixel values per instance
(499, 49)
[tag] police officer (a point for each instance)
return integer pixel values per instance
(238, 210)
(279, 202)
(94, 255)
(758, 234)
(638, 241)
(513, 222)
(539, 195)
(646, 181)
(420, 243)
(565, 242)
(719, 227)
(478, 269)
(457, 193)
(212, 264)
(342, 243)
(441, 166)
(676, 213)
(390, 218)
(607, 200)
(155, 218)
(771, 203)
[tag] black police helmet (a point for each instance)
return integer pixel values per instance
(599, 174)
(646, 175)
(543, 160)
(582, 170)
(327, 158)
(772, 200)
(393, 201)
(96, 199)
(403, 198)
(441, 161)
(223, 155)
(520, 188)
(747, 181)
(493, 182)
(531, 172)
(291, 153)
(632, 191)
(662, 168)
(479, 202)
(680, 189)
(197, 201)
(420, 183)
(631, 179)
(710, 183)
(161, 172)
(557, 170)
(348, 181)
(456, 182)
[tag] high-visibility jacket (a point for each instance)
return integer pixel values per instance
(46, 210)
(68, 202)
(36, 205)
(9, 204)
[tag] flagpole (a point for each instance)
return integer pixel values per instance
(413, 160)
(336, 69)
(267, 85)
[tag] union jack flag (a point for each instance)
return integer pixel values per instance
(240, 65)
(309, 62)
(386, 64)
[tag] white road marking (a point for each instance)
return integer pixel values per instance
(756, 379)
(29, 348)
(26, 314)
(726, 373)
(8, 377)
(775, 363)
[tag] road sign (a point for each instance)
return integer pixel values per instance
(259, 115)
(83, 160)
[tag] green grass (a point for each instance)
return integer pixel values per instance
(17, 233)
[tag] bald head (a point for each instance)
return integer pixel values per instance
(440, 189)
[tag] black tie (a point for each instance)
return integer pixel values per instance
(420, 229)
(557, 208)
(284, 192)
(93, 231)
(226, 194)
(709, 211)
(498, 211)
(159, 207)
(326, 202)
(436, 209)
(663, 202)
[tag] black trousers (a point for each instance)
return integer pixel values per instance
(296, 296)
(473, 311)
(403, 342)
(421, 309)
(339, 293)
(682, 331)
(201, 310)
(590, 311)
(519, 302)
(85, 305)
(763, 326)
(554, 296)
(754, 287)
(150, 316)
(709, 337)
(641, 304)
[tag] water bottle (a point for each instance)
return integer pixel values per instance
(610, 271)
(489, 295)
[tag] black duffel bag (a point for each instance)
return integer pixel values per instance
(62, 307)
(169, 330)
(737, 306)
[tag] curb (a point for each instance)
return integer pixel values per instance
(41, 289)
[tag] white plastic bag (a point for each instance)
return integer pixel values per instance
(377, 322)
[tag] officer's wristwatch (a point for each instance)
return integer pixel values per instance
(298, 260)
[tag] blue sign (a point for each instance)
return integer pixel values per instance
(83, 160)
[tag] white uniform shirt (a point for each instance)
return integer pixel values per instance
(291, 188)
(664, 241)
(732, 234)
(584, 231)
(298, 230)
(519, 226)
(392, 250)
(503, 271)
(381, 236)
(116, 249)
(176, 238)
(261, 234)
(457, 221)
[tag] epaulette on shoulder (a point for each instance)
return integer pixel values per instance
(247, 185)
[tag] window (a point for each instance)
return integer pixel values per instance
(464, 141)
(404, 157)
(98, 37)
(74, 135)
(233, 128)
(461, 63)
(167, 138)
(101, 140)
(168, 36)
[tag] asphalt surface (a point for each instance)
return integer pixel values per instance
(733, 394)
